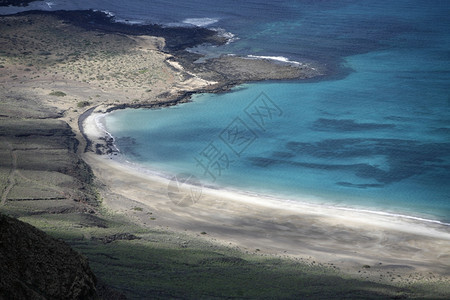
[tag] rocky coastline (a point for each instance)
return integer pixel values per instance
(223, 72)
(59, 68)
(226, 71)
(213, 75)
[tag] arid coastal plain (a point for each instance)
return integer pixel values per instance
(60, 70)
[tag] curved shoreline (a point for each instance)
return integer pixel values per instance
(103, 133)
(349, 240)
(299, 229)
(113, 149)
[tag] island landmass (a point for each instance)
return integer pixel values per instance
(59, 69)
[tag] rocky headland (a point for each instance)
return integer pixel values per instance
(58, 67)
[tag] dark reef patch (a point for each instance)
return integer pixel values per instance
(360, 186)
(404, 158)
(346, 125)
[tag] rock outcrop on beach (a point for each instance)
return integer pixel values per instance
(58, 67)
(36, 266)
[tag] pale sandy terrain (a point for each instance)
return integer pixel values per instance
(86, 67)
(347, 239)
(41, 54)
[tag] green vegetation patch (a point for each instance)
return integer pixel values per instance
(82, 104)
(167, 265)
(58, 94)
(164, 265)
(157, 270)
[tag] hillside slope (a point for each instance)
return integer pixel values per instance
(35, 266)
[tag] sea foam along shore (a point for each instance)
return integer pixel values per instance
(99, 120)
(275, 58)
(347, 238)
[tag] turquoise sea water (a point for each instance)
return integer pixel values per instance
(374, 133)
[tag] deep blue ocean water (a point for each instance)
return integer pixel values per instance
(374, 133)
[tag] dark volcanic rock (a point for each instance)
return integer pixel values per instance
(15, 2)
(117, 237)
(34, 265)
(177, 38)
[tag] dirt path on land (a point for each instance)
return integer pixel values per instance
(10, 179)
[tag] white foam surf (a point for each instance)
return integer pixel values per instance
(200, 22)
(107, 12)
(315, 202)
(231, 37)
(50, 4)
(276, 58)
(99, 120)
(302, 200)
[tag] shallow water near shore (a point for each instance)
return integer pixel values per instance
(373, 134)
(376, 139)
(382, 162)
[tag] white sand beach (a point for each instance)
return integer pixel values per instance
(54, 73)
(344, 238)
